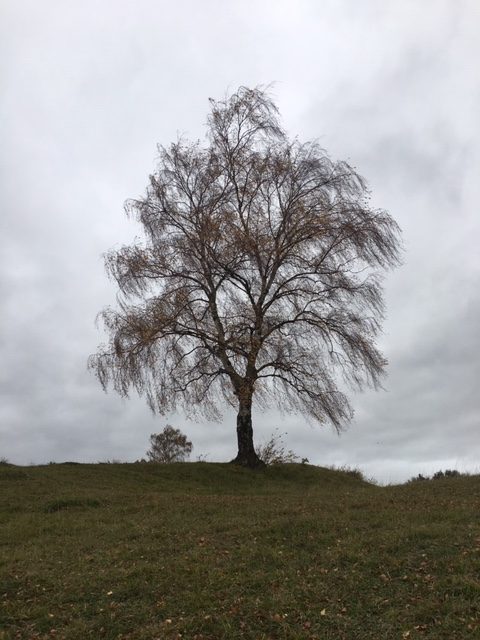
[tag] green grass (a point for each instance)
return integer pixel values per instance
(208, 551)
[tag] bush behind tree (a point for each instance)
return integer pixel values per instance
(273, 451)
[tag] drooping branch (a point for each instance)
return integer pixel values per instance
(259, 274)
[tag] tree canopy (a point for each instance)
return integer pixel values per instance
(259, 277)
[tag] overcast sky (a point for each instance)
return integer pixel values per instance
(88, 90)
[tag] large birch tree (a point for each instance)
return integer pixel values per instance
(258, 279)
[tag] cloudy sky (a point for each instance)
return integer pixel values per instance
(88, 90)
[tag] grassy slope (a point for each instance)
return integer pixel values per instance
(209, 551)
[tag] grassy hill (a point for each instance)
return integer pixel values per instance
(208, 551)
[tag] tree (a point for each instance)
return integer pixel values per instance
(258, 277)
(171, 445)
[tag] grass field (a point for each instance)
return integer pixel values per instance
(208, 551)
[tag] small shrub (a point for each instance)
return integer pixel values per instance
(419, 478)
(449, 473)
(453, 473)
(171, 445)
(273, 451)
(438, 475)
(353, 472)
(4, 461)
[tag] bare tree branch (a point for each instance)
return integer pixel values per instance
(259, 276)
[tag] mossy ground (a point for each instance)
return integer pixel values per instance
(210, 551)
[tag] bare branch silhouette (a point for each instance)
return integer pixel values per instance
(258, 277)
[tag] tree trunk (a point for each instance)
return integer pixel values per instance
(246, 456)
